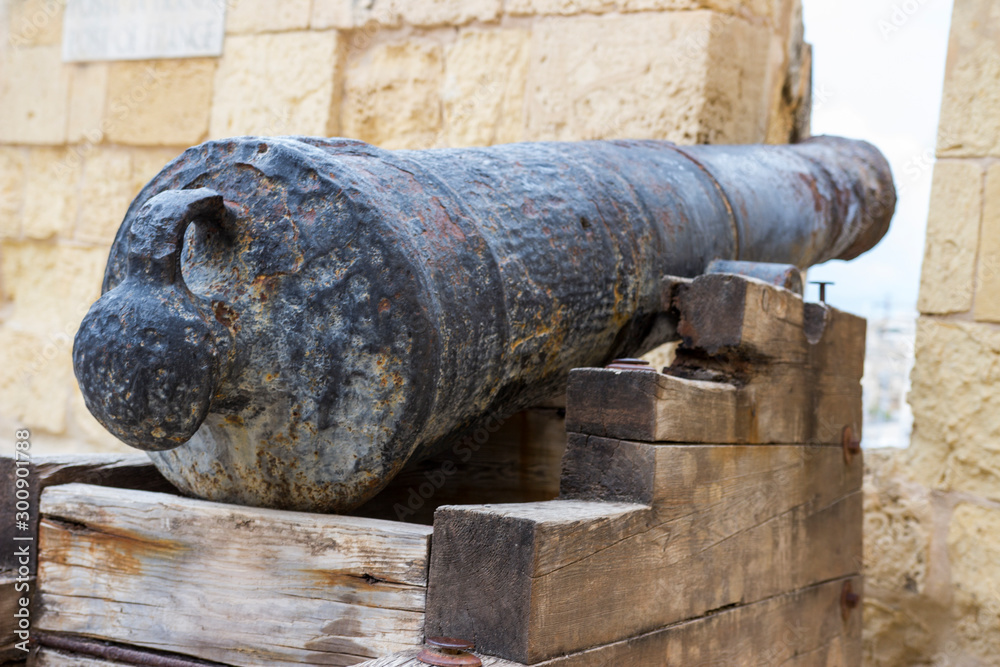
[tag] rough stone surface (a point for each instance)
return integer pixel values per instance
(761, 8)
(52, 285)
(686, 57)
(790, 74)
(952, 236)
(392, 95)
(159, 103)
(34, 92)
(243, 16)
(105, 195)
(987, 307)
(565, 7)
(969, 123)
(51, 194)
(13, 173)
(147, 163)
(956, 407)
(285, 83)
(737, 88)
(369, 17)
(35, 22)
(974, 550)
(35, 384)
(88, 94)
(899, 603)
(450, 12)
(485, 78)
(643, 59)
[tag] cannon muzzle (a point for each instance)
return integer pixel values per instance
(285, 321)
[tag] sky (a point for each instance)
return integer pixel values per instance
(878, 70)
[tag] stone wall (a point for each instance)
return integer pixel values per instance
(933, 511)
(78, 141)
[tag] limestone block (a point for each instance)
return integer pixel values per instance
(898, 521)
(987, 306)
(392, 95)
(283, 83)
(159, 102)
(761, 8)
(606, 77)
(51, 195)
(790, 77)
(34, 92)
(485, 78)
(105, 195)
(88, 93)
(13, 173)
(902, 597)
(952, 236)
(450, 12)
(245, 16)
(969, 124)
(147, 163)
(974, 551)
(609, 76)
(367, 17)
(564, 7)
(737, 88)
(956, 407)
(52, 285)
(35, 22)
(35, 376)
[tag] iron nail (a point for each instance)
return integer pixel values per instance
(822, 288)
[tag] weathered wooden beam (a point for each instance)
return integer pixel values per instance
(129, 471)
(694, 528)
(236, 585)
(9, 596)
(133, 471)
(756, 366)
(810, 627)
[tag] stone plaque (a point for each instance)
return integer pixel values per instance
(142, 29)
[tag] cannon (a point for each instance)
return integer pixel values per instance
(286, 321)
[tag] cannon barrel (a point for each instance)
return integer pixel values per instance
(285, 321)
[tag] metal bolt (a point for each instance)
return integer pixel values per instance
(851, 445)
(848, 599)
(448, 652)
(631, 365)
(822, 288)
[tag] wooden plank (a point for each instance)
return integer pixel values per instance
(9, 604)
(647, 406)
(47, 657)
(129, 471)
(805, 628)
(723, 312)
(725, 525)
(757, 366)
(236, 585)
(514, 460)
(126, 471)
